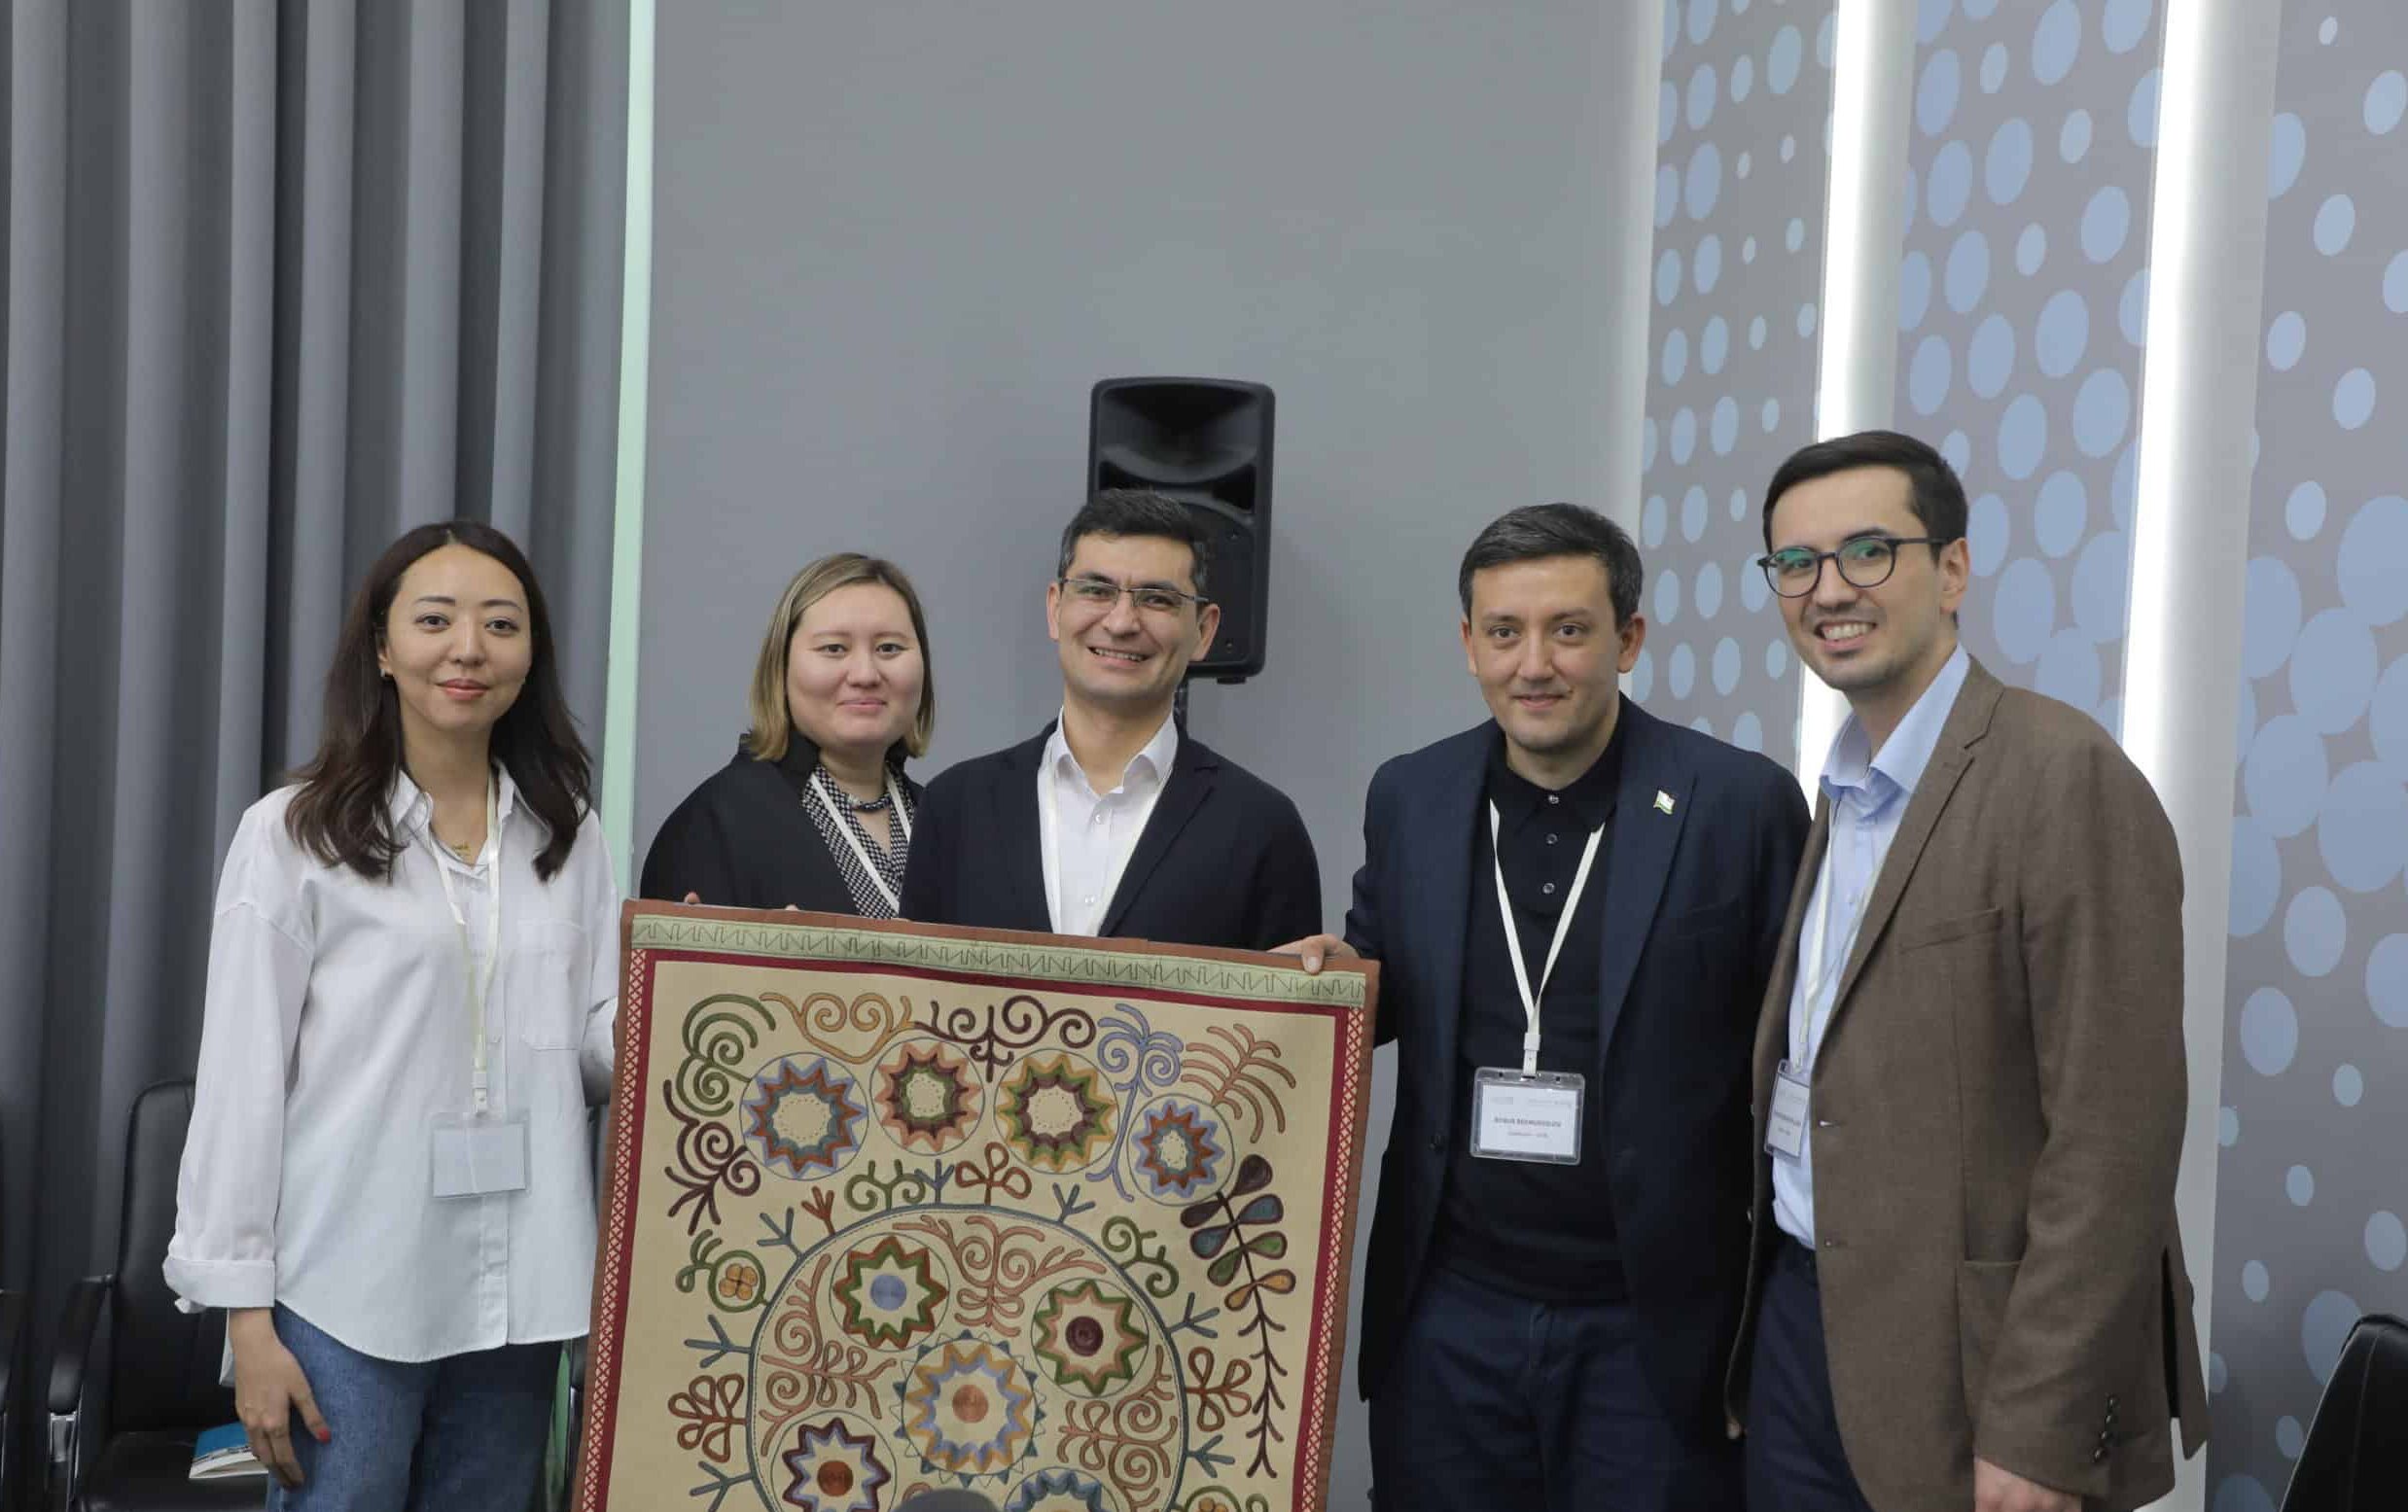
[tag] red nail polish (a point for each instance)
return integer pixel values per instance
(325, 1435)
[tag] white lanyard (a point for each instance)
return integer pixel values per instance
(479, 1080)
(869, 868)
(1047, 807)
(1513, 937)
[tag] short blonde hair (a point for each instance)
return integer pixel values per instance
(773, 724)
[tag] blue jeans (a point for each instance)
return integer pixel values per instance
(462, 1434)
(1500, 1404)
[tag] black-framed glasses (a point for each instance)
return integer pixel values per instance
(1101, 594)
(1865, 562)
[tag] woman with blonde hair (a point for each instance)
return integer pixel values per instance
(814, 811)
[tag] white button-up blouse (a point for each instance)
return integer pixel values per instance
(336, 1030)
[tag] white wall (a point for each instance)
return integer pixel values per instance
(896, 244)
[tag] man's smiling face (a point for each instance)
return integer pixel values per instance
(1866, 640)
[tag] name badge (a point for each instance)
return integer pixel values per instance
(479, 1157)
(1530, 1116)
(1785, 1130)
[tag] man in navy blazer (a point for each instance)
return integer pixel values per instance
(1112, 820)
(1560, 1246)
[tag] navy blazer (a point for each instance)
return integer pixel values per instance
(1705, 846)
(1224, 860)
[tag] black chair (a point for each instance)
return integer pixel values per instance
(2356, 1458)
(12, 1385)
(125, 1444)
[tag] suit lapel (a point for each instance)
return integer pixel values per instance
(1193, 767)
(1772, 1028)
(1966, 724)
(1646, 831)
(1438, 849)
(1018, 848)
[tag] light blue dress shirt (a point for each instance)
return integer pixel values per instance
(1868, 794)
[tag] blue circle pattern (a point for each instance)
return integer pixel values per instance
(2285, 154)
(2353, 399)
(2059, 513)
(1935, 98)
(2269, 1031)
(2386, 99)
(1928, 375)
(2387, 1242)
(1951, 185)
(1968, 271)
(2023, 437)
(2074, 137)
(2106, 222)
(2055, 43)
(2315, 931)
(2333, 672)
(2007, 167)
(2284, 776)
(2287, 340)
(1990, 360)
(1914, 290)
(2373, 546)
(2061, 334)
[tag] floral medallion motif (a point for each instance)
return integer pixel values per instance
(1089, 1338)
(969, 1408)
(1059, 1490)
(1056, 1111)
(889, 1295)
(834, 1470)
(1180, 1151)
(927, 1096)
(804, 1119)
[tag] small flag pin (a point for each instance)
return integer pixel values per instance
(1663, 801)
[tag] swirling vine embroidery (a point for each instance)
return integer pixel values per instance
(994, 1266)
(1018, 1022)
(802, 1371)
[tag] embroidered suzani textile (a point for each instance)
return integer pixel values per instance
(894, 1208)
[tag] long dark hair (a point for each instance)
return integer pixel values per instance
(342, 813)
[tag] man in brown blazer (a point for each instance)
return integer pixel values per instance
(1967, 1290)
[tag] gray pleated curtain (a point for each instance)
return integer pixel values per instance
(283, 280)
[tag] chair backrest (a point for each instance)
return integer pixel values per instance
(2356, 1458)
(163, 1364)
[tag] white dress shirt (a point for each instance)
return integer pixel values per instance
(1087, 836)
(336, 1030)
(1868, 794)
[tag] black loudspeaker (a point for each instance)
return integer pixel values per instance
(1207, 443)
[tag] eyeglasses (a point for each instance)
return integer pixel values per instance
(1865, 562)
(1101, 594)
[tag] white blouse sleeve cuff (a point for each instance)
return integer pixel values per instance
(226, 1283)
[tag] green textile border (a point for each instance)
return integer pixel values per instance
(1070, 965)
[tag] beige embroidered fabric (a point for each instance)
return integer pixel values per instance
(894, 1208)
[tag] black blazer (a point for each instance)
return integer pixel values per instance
(1222, 861)
(1694, 904)
(742, 839)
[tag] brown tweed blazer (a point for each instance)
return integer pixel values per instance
(1999, 1105)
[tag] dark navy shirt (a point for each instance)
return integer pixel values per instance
(1535, 1230)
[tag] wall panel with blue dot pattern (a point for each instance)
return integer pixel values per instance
(2021, 298)
(1741, 161)
(2310, 1206)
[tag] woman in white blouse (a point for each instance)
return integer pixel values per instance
(411, 988)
